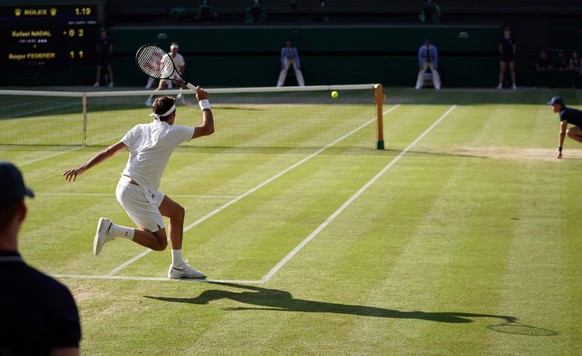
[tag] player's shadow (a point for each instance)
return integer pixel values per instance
(277, 300)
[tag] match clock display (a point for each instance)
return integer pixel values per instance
(41, 40)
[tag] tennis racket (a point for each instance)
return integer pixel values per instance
(158, 64)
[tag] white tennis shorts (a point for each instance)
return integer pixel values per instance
(141, 205)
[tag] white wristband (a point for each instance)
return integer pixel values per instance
(204, 104)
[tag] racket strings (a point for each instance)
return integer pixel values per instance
(154, 62)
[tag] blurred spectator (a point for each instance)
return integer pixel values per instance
(104, 50)
(543, 62)
(178, 13)
(206, 12)
(562, 62)
(324, 18)
(574, 63)
(543, 65)
(293, 5)
(290, 56)
(561, 75)
(507, 49)
(574, 68)
(431, 12)
(428, 57)
(256, 12)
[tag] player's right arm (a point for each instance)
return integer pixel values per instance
(207, 126)
(561, 137)
(72, 173)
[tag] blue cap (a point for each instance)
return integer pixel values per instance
(12, 188)
(556, 100)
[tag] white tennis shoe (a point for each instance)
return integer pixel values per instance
(104, 233)
(185, 271)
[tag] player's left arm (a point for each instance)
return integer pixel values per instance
(72, 173)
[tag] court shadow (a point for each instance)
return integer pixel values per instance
(257, 298)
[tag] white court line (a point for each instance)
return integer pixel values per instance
(156, 279)
(352, 199)
(50, 156)
(24, 114)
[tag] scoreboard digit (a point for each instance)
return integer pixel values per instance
(39, 41)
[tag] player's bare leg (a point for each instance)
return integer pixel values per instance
(161, 86)
(176, 213)
(107, 230)
(575, 133)
(157, 241)
(179, 267)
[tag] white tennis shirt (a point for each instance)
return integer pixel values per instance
(168, 68)
(150, 146)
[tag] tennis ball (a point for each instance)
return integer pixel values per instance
(334, 94)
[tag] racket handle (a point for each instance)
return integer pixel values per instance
(191, 86)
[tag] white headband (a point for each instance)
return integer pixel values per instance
(165, 114)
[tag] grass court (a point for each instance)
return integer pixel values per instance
(461, 237)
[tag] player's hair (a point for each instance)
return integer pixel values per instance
(162, 105)
(7, 213)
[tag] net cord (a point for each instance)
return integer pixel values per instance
(96, 94)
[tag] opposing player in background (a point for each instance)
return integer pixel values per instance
(150, 146)
(567, 116)
(180, 63)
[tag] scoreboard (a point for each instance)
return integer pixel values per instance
(47, 43)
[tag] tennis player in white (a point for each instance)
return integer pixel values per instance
(150, 146)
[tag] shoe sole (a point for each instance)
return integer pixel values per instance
(96, 245)
(170, 277)
(199, 278)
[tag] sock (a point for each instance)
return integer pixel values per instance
(123, 231)
(177, 259)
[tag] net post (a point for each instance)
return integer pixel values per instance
(379, 96)
(84, 103)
